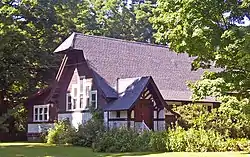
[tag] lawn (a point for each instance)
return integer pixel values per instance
(44, 150)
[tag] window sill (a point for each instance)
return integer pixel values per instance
(40, 121)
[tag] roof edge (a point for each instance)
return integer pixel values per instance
(66, 44)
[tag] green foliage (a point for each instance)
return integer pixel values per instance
(212, 34)
(62, 133)
(229, 119)
(88, 133)
(159, 141)
(31, 30)
(194, 140)
(3, 119)
(237, 145)
(122, 140)
(192, 116)
(128, 140)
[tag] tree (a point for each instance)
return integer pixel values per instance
(211, 31)
(31, 30)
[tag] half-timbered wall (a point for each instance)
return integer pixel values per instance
(117, 119)
(122, 118)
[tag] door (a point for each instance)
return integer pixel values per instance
(144, 111)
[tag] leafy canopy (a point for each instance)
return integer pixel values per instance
(212, 31)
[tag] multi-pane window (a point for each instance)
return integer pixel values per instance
(41, 113)
(74, 98)
(80, 95)
(81, 84)
(118, 114)
(69, 101)
(93, 99)
(87, 90)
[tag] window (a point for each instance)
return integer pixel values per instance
(81, 100)
(87, 91)
(80, 96)
(81, 85)
(74, 99)
(118, 114)
(209, 107)
(41, 113)
(93, 98)
(68, 101)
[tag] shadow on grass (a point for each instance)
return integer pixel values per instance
(128, 154)
(45, 150)
(246, 153)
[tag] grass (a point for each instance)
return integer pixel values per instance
(44, 150)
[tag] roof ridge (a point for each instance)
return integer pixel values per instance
(123, 40)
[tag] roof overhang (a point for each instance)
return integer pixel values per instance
(67, 44)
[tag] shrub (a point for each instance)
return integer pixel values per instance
(142, 141)
(122, 140)
(159, 141)
(87, 133)
(176, 140)
(231, 117)
(62, 133)
(237, 145)
(194, 140)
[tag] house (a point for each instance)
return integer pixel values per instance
(133, 83)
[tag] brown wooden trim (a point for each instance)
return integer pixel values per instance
(118, 119)
(159, 119)
(157, 116)
(41, 122)
(59, 73)
(108, 119)
(121, 119)
(190, 101)
(33, 134)
(64, 112)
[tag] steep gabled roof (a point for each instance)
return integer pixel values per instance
(129, 96)
(102, 84)
(114, 58)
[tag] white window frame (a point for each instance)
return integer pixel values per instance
(82, 83)
(88, 84)
(93, 92)
(72, 94)
(67, 101)
(38, 107)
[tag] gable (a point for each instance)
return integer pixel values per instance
(139, 87)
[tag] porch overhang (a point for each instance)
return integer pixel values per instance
(132, 94)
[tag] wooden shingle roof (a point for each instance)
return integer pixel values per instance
(114, 58)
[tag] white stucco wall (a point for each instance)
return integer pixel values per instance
(113, 124)
(161, 125)
(38, 128)
(161, 114)
(112, 114)
(132, 114)
(75, 118)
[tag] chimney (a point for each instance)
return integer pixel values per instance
(117, 84)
